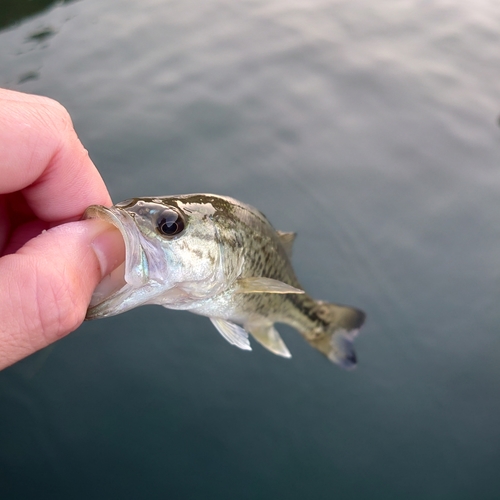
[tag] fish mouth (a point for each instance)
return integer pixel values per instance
(111, 294)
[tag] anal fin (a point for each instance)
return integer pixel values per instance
(267, 335)
(233, 333)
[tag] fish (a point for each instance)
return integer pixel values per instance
(218, 257)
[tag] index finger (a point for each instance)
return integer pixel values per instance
(41, 155)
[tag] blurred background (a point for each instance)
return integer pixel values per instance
(371, 129)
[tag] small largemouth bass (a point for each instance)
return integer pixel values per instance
(215, 256)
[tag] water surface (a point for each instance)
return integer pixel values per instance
(371, 130)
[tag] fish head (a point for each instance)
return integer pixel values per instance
(173, 255)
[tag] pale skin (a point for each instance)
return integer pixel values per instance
(50, 262)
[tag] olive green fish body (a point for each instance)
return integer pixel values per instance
(220, 258)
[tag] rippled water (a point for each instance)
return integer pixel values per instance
(372, 130)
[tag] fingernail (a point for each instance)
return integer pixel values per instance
(109, 248)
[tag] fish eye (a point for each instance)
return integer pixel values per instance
(170, 223)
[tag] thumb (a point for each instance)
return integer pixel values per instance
(46, 286)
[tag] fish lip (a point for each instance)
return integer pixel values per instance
(136, 272)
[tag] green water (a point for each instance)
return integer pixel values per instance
(371, 129)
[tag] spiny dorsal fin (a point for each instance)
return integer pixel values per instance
(267, 335)
(287, 240)
(264, 285)
(233, 333)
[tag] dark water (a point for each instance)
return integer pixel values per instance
(372, 129)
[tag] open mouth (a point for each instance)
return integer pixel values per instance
(110, 296)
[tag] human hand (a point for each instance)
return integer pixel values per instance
(46, 181)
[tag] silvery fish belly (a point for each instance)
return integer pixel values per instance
(215, 256)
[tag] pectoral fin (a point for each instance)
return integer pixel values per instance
(233, 333)
(264, 285)
(268, 336)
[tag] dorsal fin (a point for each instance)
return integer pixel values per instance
(287, 240)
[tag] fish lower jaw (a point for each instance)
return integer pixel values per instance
(110, 284)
